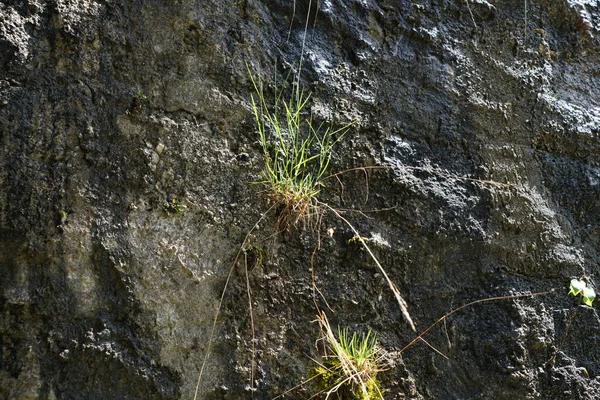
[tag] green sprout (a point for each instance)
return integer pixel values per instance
(357, 239)
(140, 95)
(579, 286)
(137, 104)
(255, 255)
(173, 206)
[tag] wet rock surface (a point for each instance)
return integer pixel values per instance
(128, 149)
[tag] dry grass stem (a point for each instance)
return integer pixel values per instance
(401, 302)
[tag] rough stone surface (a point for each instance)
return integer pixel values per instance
(109, 109)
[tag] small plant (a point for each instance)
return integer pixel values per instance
(173, 206)
(357, 239)
(351, 368)
(137, 104)
(254, 255)
(297, 154)
(580, 287)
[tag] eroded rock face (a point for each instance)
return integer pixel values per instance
(488, 112)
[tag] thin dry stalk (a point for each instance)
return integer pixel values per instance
(218, 311)
(443, 318)
(423, 169)
(434, 349)
(401, 302)
(291, 21)
(471, 13)
(251, 320)
(564, 338)
(315, 289)
(304, 382)
(302, 50)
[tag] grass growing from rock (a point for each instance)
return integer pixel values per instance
(297, 154)
(297, 157)
(353, 363)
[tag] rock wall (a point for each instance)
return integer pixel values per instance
(109, 109)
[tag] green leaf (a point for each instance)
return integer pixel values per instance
(588, 296)
(577, 286)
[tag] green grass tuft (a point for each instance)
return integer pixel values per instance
(297, 154)
(351, 368)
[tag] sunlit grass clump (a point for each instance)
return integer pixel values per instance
(351, 368)
(297, 154)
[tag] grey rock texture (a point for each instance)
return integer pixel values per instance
(110, 108)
